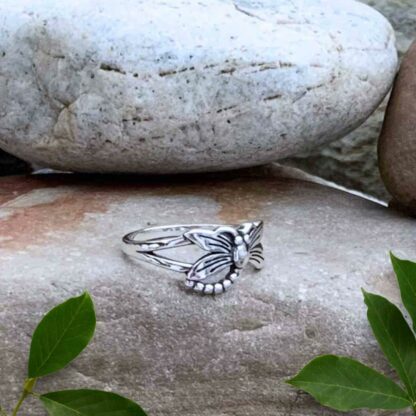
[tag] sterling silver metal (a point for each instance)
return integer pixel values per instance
(230, 248)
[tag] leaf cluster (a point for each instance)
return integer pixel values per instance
(345, 384)
(60, 337)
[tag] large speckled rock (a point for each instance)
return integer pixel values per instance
(177, 353)
(186, 85)
(397, 144)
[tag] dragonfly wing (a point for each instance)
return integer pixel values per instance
(256, 256)
(255, 235)
(209, 265)
(218, 241)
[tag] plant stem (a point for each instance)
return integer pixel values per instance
(2, 412)
(27, 389)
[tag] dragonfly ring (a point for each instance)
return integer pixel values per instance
(221, 252)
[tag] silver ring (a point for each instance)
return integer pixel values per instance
(230, 248)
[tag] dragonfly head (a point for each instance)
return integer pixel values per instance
(241, 253)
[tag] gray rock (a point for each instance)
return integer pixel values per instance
(184, 86)
(352, 160)
(180, 354)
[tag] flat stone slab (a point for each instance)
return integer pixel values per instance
(177, 353)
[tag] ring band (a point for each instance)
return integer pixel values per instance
(230, 248)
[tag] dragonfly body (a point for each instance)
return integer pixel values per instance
(229, 248)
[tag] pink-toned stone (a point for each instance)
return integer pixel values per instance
(397, 144)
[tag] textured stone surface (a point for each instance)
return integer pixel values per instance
(180, 354)
(397, 145)
(402, 15)
(157, 86)
(352, 160)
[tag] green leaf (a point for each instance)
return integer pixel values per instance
(61, 336)
(406, 275)
(395, 337)
(89, 403)
(345, 384)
